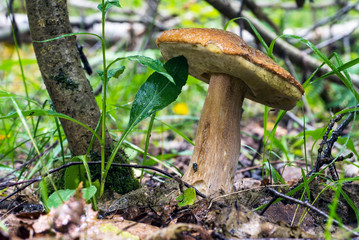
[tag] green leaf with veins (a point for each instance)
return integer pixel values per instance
(108, 5)
(148, 62)
(158, 92)
(186, 198)
(155, 94)
(54, 200)
(115, 72)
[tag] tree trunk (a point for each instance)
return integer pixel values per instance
(61, 70)
(65, 80)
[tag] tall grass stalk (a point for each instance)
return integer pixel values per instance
(104, 94)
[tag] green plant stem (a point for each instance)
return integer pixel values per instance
(148, 136)
(265, 136)
(112, 157)
(33, 141)
(88, 173)
(93, 139)
(104, 96)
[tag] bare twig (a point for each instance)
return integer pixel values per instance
(250, 168)
(39, 178)
(260, 14)
(292, 6)
(293, 117)
(29, 162)
(333, 40)
(307, 205)
(119, 28)
(326, 156)
(334, 17)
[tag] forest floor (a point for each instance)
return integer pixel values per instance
(152, 211)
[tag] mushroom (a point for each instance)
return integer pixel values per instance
(234, 71)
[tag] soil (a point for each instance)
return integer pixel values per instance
(152, 212)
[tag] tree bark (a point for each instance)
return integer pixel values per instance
(61, 70)
(68, 87)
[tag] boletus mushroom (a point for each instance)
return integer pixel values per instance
(234, 71)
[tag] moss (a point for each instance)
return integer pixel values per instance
(119, 179)
(64, 80)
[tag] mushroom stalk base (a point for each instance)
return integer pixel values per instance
(218, 142)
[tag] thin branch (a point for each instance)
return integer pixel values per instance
(39, 178)
(334, 17)
(260, 14)
(306, 204)
(299, 121)
(29, 162)
(326, 157)
(293, 6)
(333, 39)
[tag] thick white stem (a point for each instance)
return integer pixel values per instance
(218, 140)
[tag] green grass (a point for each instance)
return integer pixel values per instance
(22, 138)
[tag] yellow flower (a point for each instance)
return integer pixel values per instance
(180, 109)
(2, 137)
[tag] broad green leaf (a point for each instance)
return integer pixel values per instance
(3, 227)
(97, 184)
(44, 193)
(315, 134)
(54, 200)
(158, 92)
(108, 5)
(89, 192)
(74, 175)
(155, 94)
(186, 198)
(148, 62)
(115, 72)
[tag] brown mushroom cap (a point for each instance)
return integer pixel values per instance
(211, 51)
